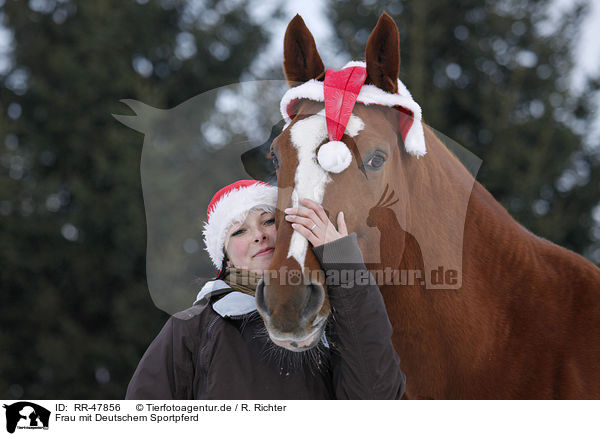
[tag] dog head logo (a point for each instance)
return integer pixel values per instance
(26, 415)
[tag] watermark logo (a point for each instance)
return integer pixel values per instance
(410, 227)
(26, 415)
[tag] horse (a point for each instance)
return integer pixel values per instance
(518, 317)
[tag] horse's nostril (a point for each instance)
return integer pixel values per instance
(260, 298)
(316, 297)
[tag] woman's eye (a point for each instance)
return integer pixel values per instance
(377, 161)
(271, 221)
(237, 232)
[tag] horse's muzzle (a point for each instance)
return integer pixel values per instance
(291, 315)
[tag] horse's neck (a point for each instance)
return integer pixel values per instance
(496, 251)
(499, 248)
(511, 281)
(444, 330)
(501, 262)
(494, 242)
(457, 222)
(454, 224)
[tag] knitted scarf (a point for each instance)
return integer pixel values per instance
(242, 280)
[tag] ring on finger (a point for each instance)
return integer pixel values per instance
(313, 226)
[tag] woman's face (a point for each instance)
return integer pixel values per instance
(250, 245)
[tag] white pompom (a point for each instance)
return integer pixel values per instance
(334, 156)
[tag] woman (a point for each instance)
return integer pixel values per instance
(219, 349)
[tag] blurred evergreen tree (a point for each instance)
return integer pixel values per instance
(494, 76)
(75, 310)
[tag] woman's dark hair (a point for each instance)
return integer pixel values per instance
(223, 267)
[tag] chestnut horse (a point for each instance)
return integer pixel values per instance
(521, 317)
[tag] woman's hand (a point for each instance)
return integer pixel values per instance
(312, 222)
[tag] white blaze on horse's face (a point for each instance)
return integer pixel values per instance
(310, 178)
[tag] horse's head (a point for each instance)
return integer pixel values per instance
(362, 168)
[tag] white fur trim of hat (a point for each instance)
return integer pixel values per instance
(369, 94)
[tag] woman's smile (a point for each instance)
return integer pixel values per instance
(265, 252)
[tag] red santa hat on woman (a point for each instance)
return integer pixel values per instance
(231, 205)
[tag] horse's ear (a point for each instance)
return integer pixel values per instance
(301, 60)
(383, 55)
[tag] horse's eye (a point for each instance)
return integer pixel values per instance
(274, 159)
(376, 161)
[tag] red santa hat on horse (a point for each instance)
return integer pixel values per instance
(340, 91)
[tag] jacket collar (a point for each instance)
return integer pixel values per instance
(233, 304)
